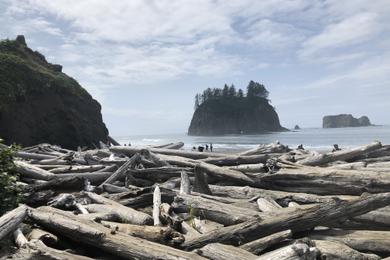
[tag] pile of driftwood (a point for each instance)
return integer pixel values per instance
(271, 202)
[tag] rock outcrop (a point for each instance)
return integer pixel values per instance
(39, 103)
(344, 120)
(296, 127)
(234, 116)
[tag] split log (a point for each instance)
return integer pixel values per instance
(47, 238)
(205, 225)
(267, 149)
(333, 250)
(213, 210)
(201, 184)
(154, 158)
(114, 189)
(232, 160)
(294, 219)
(11, 220)
(295, 251)
(361, 240)
(343, 155)
(218, 251)
(165, 235)
(93, 234)
(259, 245)
(93, 177)
(177, 145)
(130, 151)
(31, 171)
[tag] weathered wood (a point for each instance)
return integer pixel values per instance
(185, 185)
(79, 168)
(128, 215)
(249, 168)
(93, 177)
(343, 155)
(361, 240)
(201, 184)
(114, 189)
(165, 235)
(297, 251)
(259, 245)
(267, 149)
(47, 238)
(31, 171)
(294, 219)
(218, 251)
(11, 220)
(326, 181)
(177, 145)
(20, 239)
(281, 197)
(156, 206)
(232, 160)
(225, 174)
(213, 210)
(33, 156)
(267, 205)
(159, 174)
(87, 232)
(154, 158)
(333, 250)
(130, 151)
(120, 173)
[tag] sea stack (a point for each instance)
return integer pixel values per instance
(227, 111)
(344, 120)
(41, 104)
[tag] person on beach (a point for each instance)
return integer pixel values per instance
(200, 148)
(300, 147)
(336, 148)
(207, 147)
(211, 147)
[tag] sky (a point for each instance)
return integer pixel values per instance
(144, 60)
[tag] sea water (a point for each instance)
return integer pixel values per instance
(318, 139)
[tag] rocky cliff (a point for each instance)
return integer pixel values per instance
(39, 103)
(234, 116)
(344, 120)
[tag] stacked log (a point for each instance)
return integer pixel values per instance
(164, 202)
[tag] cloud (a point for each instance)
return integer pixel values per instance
(351, 31)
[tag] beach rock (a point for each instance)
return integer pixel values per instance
(296, 127)
(344, 120)
(39, 103)
(234, 116)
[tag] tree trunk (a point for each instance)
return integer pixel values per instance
(292, 218)
(218, 251)
(259, 245)
(11, 220)
(87, 232)
(200, 184)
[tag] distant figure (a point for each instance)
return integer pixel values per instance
(200, 148)
(125, 144)
(193, 148)
(336, 148)
(211, 147)
(129, 144)
(207, 147)
(300, 147)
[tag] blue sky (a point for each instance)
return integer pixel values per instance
(144, 61)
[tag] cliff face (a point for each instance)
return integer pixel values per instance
(344, 120)
(39, 103)
(234, 116)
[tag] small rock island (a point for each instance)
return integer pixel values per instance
(41, 104)
(228, 111)
(344, 120)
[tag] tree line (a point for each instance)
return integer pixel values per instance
(253, 90)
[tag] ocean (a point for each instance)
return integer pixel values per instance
(317, 139)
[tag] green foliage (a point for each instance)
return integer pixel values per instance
(10, 193)
(256, 92)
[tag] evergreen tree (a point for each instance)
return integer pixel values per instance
(197, 96)
(232, 91)
(240, 93)
(225, 91)
(256, 89)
